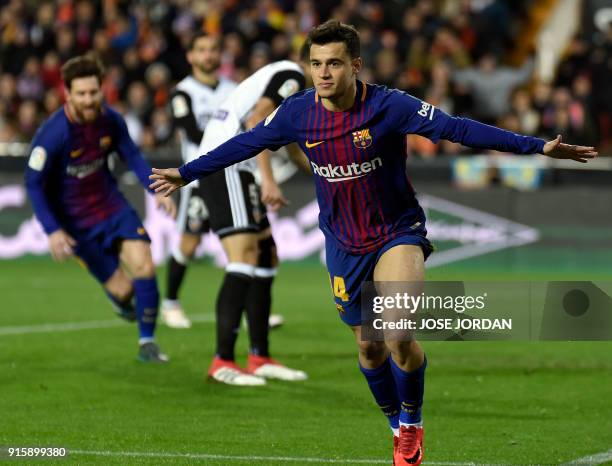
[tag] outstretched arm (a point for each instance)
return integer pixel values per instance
(475, 134)
(410, 115)
(558, 150)
(165, 181)
(239, 148)
(272, 133)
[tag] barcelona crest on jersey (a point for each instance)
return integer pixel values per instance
(362, 138)
(105, 142)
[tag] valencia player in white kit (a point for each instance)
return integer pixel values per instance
(238, 217)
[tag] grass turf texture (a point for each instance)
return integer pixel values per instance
(503, 403)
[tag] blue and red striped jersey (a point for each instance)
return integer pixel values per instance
(358, 157)
(68, 179)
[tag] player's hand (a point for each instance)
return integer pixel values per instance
(166, 180)
(556, 149)
(272, 196)
(166, 204)
(61, 245)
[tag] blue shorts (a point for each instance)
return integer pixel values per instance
(348, 271)
(98, 247)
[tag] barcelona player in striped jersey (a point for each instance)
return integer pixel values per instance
(353, 134)
(76, 199)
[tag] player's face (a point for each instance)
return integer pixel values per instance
(333, 70)
(205, 55)
(85, 98)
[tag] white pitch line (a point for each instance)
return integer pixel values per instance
(230, 458)
(597, 458)
(86, 325)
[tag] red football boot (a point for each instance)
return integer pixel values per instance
(227, 372)
(410, 448)
(395, 447)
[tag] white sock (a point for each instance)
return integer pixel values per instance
(395, 431)
(142, 341)
(418, 424)
(170, 302)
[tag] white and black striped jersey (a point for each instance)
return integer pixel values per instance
(277, 81)
(193, 103)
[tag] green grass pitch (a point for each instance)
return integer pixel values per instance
(486, 402)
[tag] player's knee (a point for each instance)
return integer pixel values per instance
(144, 269)
(372, 350)
(120, 287)
(123, 294)
(401, 350)
(136, 257)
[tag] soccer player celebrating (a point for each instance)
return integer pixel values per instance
(76, 199)
(193, 102)
(353, 133)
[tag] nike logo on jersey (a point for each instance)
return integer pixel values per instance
(75, 153)
(310, 145)
(333, 174)
(105, 141)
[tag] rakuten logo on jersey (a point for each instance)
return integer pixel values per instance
(334, 174)
(85, 169)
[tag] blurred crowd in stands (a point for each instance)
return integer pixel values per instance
(457, 54)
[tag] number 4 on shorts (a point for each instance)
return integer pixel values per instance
(340, 289)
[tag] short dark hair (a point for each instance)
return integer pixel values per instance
(81, 67)
(198, 36)
(335, 31)
(305, 52)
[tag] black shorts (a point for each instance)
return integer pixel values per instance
(192, 215)
(234, 202)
